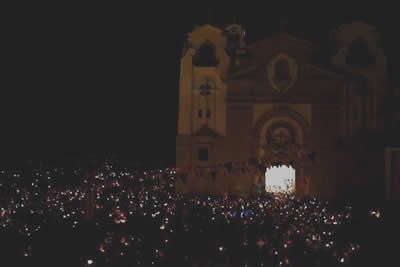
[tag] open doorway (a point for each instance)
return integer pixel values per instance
(280, 179)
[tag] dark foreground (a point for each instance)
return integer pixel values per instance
(138, 220)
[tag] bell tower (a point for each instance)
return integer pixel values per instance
(361, 58)
(359, 53)
(202, 94)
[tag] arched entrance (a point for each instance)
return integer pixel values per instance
(281, 145)
(280, 178)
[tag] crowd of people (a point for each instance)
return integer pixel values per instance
(112, 216)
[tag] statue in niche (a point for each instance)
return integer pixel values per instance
(280, 138)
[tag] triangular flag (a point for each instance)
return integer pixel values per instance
(228, 167)
(214, 174)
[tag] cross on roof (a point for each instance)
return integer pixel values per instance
(205, 88)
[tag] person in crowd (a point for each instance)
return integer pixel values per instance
(139, 220)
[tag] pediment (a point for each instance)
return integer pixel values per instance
(282, 39)
(314, 72)
(311, 81)
(265, 49)
(258, 74)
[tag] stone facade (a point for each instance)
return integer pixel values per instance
(271, 102)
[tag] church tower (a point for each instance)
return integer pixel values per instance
(246, 107)
(359, 53)
(361, 58)
(204, 64)
(202, 96)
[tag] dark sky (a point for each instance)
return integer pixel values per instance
(100, 79)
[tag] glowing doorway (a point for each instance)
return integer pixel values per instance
(280, 179)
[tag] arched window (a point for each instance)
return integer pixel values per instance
(205, 56)
(359, 54)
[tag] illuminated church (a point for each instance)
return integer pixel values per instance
(246, 108)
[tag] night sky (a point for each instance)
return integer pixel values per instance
(93, 79)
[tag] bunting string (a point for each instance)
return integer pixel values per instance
(252, 166)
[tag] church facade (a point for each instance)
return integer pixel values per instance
(245, 107)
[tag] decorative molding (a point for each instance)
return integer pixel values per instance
(282, 72)
(280, 111)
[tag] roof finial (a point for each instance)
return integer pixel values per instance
(284, 22)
